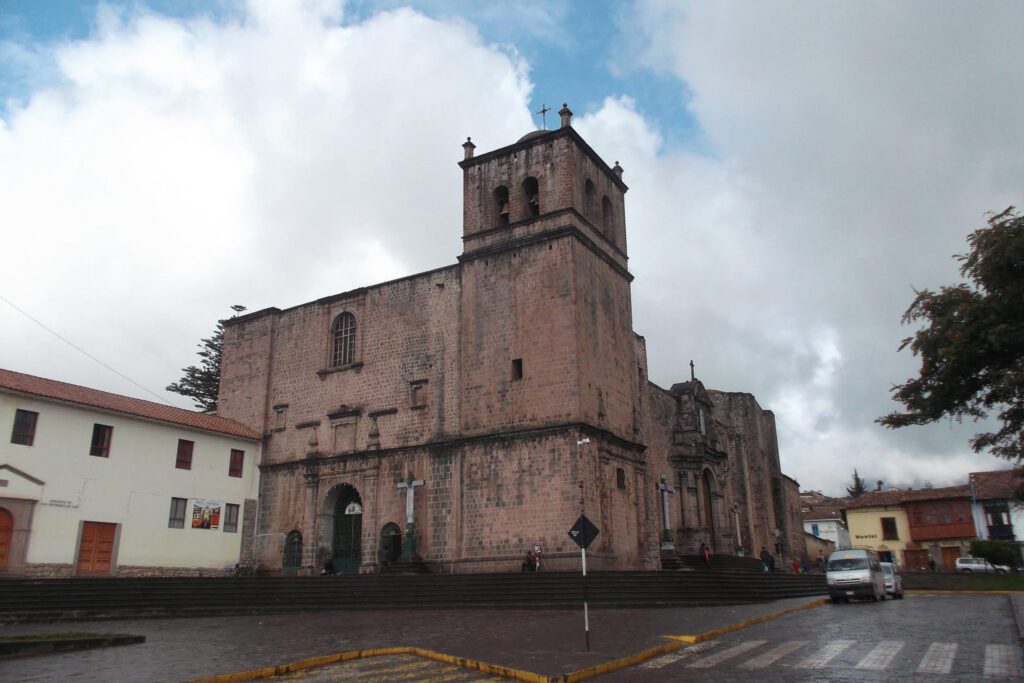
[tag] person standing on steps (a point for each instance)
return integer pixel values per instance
(705, 554)
(766, 560)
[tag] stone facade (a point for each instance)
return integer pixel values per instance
(511, 384)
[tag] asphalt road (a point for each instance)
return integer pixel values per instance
(921, 638)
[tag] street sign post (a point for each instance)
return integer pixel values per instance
(583, 533)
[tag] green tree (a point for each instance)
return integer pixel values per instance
(971, 342)
(202, 383)
(858, 487)
(996, 552)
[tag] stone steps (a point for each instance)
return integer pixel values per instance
(34, 599)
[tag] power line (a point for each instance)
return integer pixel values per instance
(89, 355)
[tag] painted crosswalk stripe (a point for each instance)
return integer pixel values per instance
(824, 655)
(735, 651)
(773, 655)
(1002, 660)
(881, 657)
(674, 657)
(938, 659)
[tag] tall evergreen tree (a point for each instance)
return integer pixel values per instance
(202, 383)
(972, 342)
(858, 487)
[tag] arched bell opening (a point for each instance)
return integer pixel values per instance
(501, 206)
(531, 193)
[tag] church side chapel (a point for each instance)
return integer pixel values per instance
(451, 421)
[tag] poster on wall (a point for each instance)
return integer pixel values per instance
(206, 513)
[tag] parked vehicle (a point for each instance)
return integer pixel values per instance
(978, 565)
(893, 581)
(854, 574)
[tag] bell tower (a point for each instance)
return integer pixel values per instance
(546, 313)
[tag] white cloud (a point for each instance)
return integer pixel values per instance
(854, 149)
(176, 167)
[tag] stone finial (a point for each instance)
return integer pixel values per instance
(468, 148)
(617, 170)
(565, 115)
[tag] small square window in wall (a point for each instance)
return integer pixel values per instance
(235, 466)
(280, 417)
(517, 368)
(184, 459)
(418, 394)
(101, 436)
(176, 519)
(231, 518)
(24, 432)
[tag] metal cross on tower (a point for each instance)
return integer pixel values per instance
(544, 109)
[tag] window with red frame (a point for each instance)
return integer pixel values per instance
(101, 435)
(235, 466)
(184, 459)
(24, 432)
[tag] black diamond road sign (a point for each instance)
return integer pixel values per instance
(583, 532)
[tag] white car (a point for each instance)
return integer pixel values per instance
(978, 565)
(893, 581)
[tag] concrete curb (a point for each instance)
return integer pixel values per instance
(498, 670)
(708, 635)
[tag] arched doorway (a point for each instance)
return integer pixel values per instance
(346, 546)
(390, 543)
(707, 484)
(292, 553)
(6, 532)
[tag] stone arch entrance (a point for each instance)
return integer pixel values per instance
(390, 543)
(292, 553)
(707, 486)
(342, 528)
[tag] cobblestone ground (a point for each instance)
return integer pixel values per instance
(546, 642)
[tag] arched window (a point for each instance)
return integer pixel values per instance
(501, 205)
(531, 192)
(343, 350)
(606, 215)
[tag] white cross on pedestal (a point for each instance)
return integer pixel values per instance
(665, 489)
(410, 493)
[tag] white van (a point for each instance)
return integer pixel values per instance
(854, 574)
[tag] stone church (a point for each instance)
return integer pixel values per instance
(462, 416)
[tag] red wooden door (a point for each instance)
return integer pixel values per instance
(96, 548)
(6, 531)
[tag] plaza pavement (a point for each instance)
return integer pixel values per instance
(545, 642)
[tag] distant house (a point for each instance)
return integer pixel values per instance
(93, 483)
(996, 516)
(914, 528)
(822, 518)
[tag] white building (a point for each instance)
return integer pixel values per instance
(831, 529)
(93, 483)
(997, 514)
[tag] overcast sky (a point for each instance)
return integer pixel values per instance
(796, 170)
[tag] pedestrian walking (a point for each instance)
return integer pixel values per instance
(820, 561)
(705, 554)
(766, 560)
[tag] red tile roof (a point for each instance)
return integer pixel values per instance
(997, 484)
(17, 382)
(898, 497)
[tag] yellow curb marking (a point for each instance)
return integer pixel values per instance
(708, 635)
(497, 670)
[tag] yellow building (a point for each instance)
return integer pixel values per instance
(881, 527)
